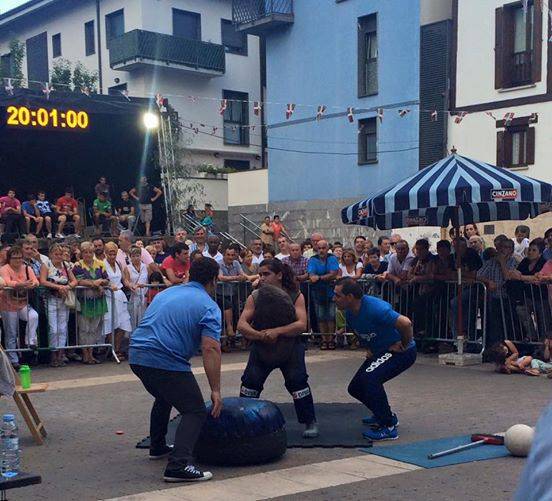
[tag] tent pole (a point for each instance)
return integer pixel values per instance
(459, 326)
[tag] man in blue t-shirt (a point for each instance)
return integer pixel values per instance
(388, 337)
(178, 322)
(322, 269)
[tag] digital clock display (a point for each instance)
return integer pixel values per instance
(42, 118)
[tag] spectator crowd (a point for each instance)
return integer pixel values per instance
(79, 299)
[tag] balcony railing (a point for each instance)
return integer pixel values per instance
(522, 67)
(138, 47)
(258, 16)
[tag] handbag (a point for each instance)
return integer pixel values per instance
(71, 300)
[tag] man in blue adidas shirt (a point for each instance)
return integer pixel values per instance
(388, 337)
(178, 322)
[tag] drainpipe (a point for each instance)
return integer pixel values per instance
(99, 35)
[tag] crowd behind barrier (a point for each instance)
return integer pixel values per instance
(85, 298)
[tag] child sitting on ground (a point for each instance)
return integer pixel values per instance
(506, 357)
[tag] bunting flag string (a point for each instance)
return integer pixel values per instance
(290, 108)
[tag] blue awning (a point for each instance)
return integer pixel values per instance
(480, 192)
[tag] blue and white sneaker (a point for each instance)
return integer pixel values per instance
(373, 423)
(382, 433)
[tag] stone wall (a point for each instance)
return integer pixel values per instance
(301, 219)
(324, 216)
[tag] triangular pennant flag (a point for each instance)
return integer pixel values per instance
(490, 114)
(9, 86)
(434, 116)
(257, 108)
(320, 112)
(47, 90)
(351, 114)
(460, 117)
(223, 106)
(125, 94)
(404, 112)
(290, 108)
(508, 117)
(380, 114)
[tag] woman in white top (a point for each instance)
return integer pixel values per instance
(137, 281)
(116, 322)
(59, 280)
(349, 267)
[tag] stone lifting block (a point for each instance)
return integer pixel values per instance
(460, 360)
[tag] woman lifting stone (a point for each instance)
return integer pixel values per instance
(274, 318)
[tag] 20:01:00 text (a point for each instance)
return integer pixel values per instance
(22, 116)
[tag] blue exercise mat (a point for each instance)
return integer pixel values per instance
(416, 453)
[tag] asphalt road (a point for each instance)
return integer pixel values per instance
(84, 458)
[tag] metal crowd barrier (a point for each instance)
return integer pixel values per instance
(50, 318)
(520, 312)
(231, 297)
(433, 308)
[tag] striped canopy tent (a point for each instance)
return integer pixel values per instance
(454, 191)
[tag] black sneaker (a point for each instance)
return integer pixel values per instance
(160, 453)
(188, 474)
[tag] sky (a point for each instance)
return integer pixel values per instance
(6, 5)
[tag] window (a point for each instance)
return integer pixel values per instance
(186, 24)
(6, 66)
(235, 42)
(236, 118)
(518, 45)
(89, 38)
(367, 141)
(239, 165)
(516, 146)
(367, 56)
(56, 45)
(114, 25)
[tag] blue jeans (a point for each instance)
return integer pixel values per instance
(367, 383)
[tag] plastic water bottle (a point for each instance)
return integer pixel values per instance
(9, 453)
